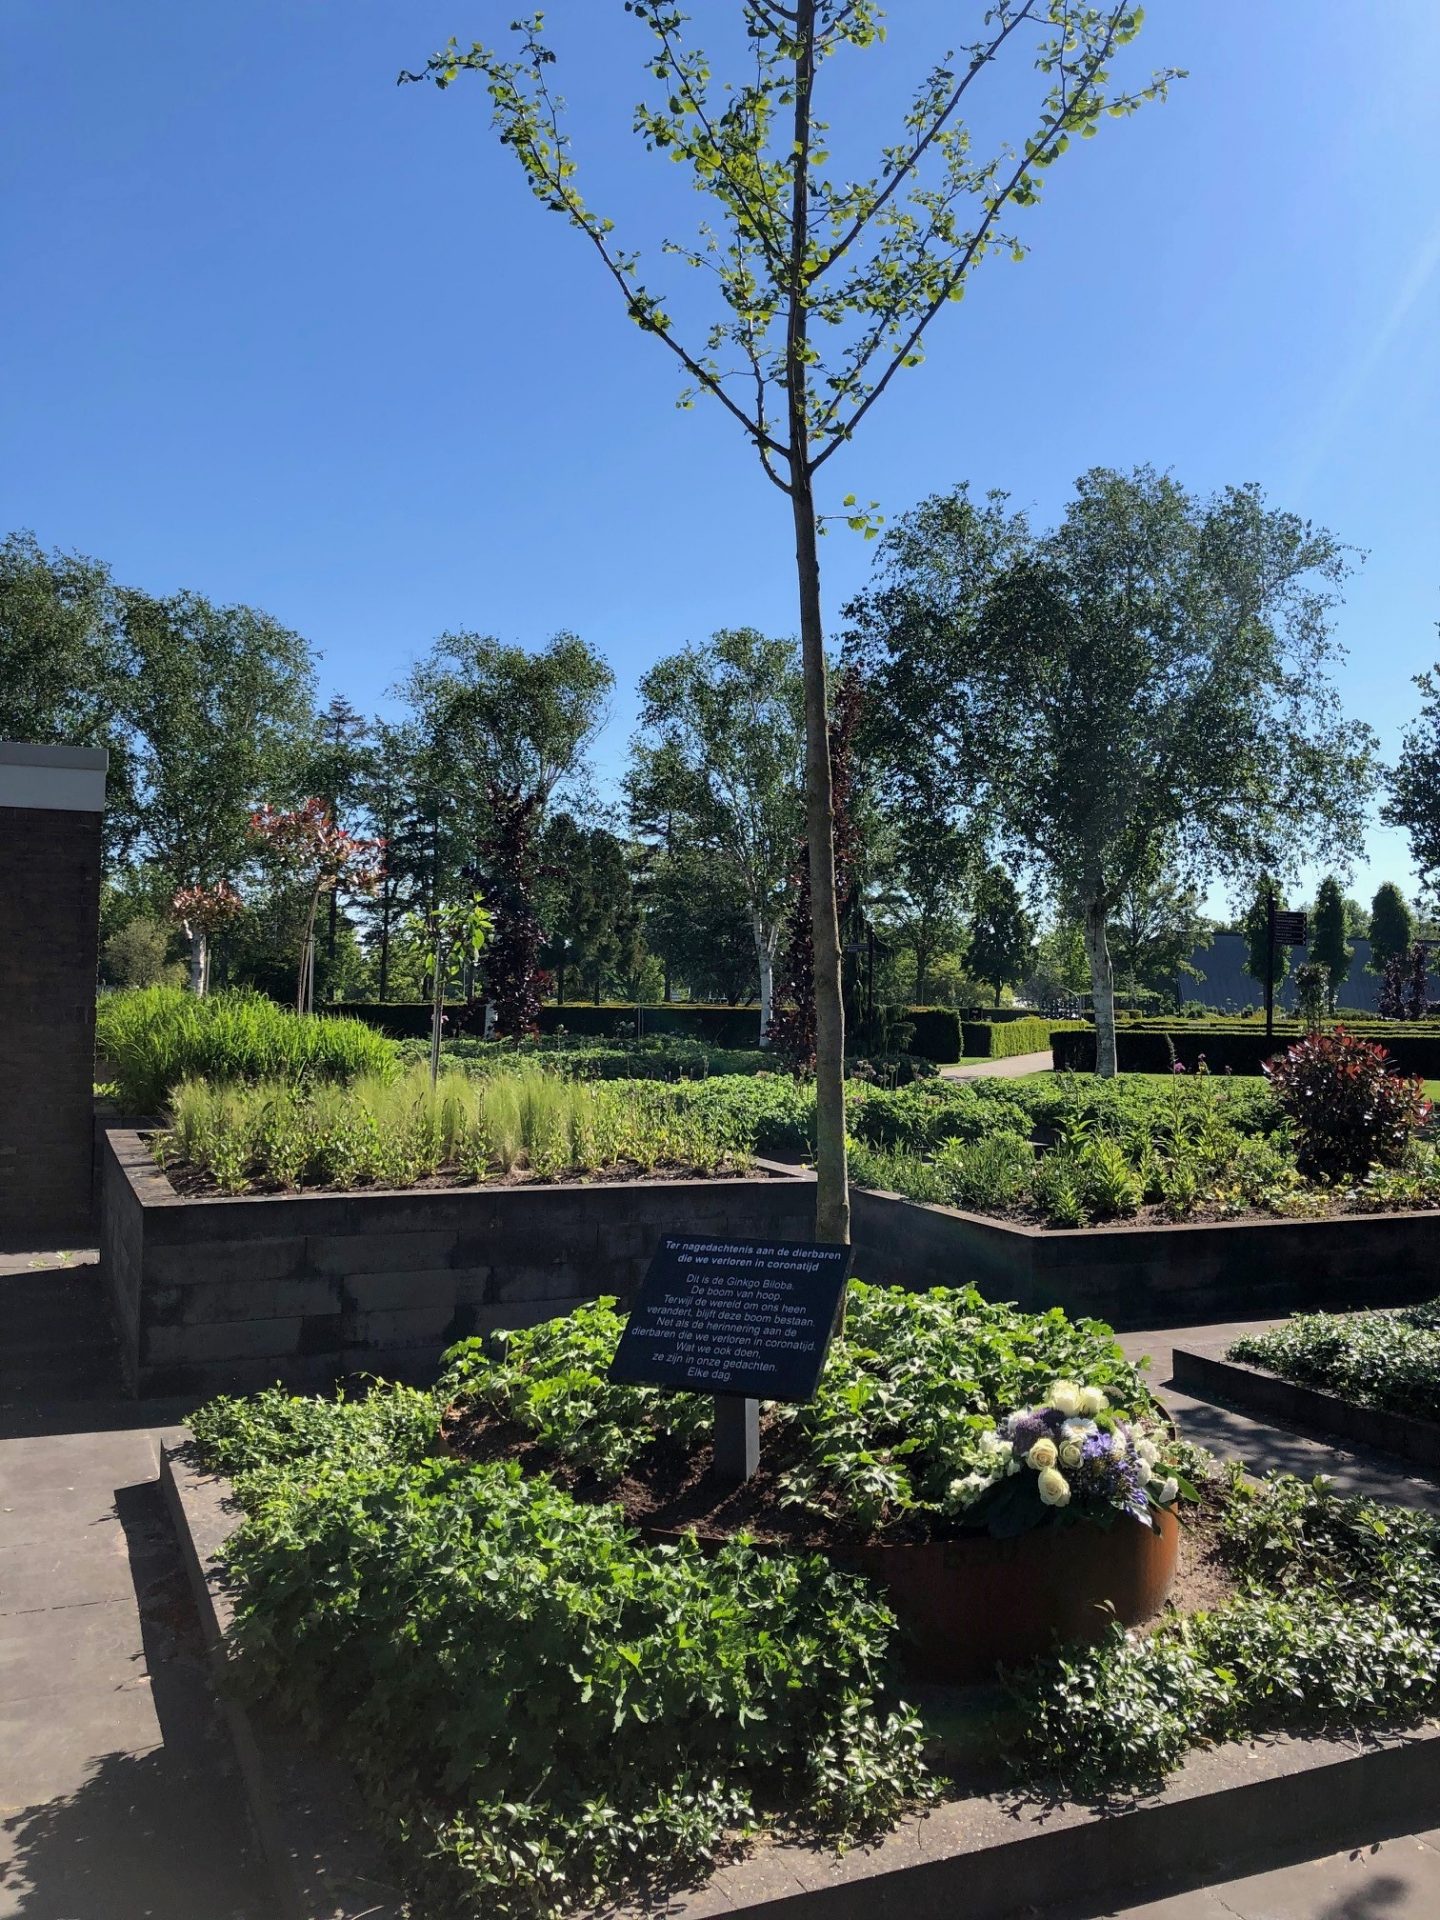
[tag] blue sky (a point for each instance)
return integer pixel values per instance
(284, 333)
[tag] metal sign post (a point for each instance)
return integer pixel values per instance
(737, 1437)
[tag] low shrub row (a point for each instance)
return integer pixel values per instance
(150, 1039)
(1006, 1040)
(1385, 1360)
(611, 1020)
(670, 1057)
(1238, 1049)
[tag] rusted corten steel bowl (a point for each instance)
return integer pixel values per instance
(965, 1605)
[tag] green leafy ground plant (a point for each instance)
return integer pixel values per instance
(1336, 1625)
(905, 1427)
(542, 1711)
(1385, 1360)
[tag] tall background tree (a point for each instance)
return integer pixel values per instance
(1329, 948)
(1156, 928)
(1392, 926)
(1001, 933)
(1150, 677)
(719, 757)
(1413, 799)
(503, 729)
(222, 703)
(339, 767)
(827, 282)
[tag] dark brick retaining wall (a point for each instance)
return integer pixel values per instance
(237, 1293)
(49, 929)
(1138, 1277)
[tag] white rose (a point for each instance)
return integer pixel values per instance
(1168, 1491)
(1070, 1454)
(1041, 1455)
(1092, 1400)
(1144, 1472)
(1065, 1396)
(1148, 1451)
(1054, 1488)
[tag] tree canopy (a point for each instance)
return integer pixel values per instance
(1151, 674)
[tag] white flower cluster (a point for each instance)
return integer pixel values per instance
(997, 1462)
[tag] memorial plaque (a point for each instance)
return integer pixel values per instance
(750, 1318)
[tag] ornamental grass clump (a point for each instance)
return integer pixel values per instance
(395, 1132)
(542, 1712)
(153, 1038)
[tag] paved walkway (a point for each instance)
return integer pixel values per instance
(118, 1793)
(1397, 1880)
(1012, 1069)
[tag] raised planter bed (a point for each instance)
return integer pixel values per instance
(1308, 1409)
(991, 1854)
(1152, 1276)
(228, 1294)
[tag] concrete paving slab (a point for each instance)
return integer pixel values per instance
(1264, 1448)
(1393, 1880)
(45, 1752)
(72, 1650)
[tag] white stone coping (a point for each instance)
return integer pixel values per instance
(59, 779)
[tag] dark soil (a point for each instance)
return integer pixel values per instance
(194, 1183)
(670, 1491)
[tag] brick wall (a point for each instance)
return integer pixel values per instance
(49, 930)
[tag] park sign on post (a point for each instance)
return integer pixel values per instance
(744, 1320)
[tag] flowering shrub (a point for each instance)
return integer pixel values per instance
(1349, 1110)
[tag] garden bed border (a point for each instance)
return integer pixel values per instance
(1260, 1802)
(1309, 1410)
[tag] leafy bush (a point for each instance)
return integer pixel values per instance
(904, 1421)
(935, 1034)
(1391, 1361)
(1337, 1624)
(542, 1712)
(1349, 1110)
(770, 1113)
(155, 1037)
(395, 1132)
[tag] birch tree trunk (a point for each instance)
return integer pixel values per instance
(765, 942)
(199, 960)
(1102, 987)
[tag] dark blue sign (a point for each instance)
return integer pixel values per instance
(746, 1317)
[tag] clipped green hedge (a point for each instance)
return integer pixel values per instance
(714, 1026)
(937, 1034)
(1141, 1048)
(987, 1040)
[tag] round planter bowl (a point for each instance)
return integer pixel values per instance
(966, 1605)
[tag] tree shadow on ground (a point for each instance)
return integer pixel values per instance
(153, 1835)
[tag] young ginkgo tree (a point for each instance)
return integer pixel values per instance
(825, 280)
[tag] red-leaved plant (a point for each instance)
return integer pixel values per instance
(1349, 1108)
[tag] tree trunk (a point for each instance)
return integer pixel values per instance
(384, 954)
(199, 961)
(1102, 987)
(332, 940)
(765, 964)
(305, 979)
(832, 1188)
